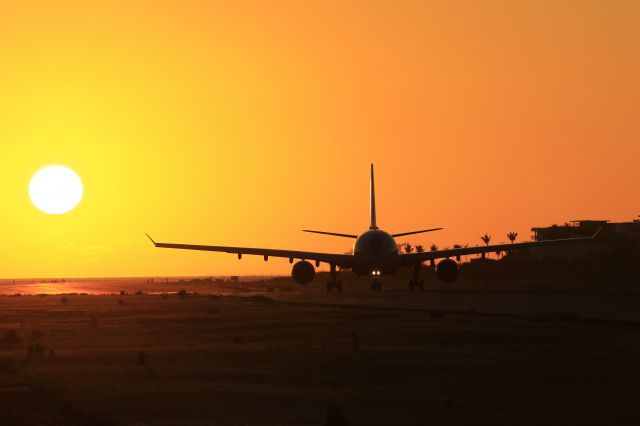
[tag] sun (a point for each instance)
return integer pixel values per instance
(55, 189)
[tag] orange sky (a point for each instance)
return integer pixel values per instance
(242, 122)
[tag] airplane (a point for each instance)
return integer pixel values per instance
(375, 253)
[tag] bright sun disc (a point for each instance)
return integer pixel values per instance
(55, 189)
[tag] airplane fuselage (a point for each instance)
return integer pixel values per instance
(375, 251)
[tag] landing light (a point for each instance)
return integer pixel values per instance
(376, 273)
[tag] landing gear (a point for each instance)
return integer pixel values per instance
(375, 285)
(333, 281)
(416, 281)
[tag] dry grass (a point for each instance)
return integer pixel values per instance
(251, 360)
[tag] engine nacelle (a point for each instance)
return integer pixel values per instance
(303, 272)
(447, 270)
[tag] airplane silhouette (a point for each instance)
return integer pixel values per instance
(375, 253)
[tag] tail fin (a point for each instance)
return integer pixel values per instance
(373, 202)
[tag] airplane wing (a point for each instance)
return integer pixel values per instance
(342, 260)
(412, 258)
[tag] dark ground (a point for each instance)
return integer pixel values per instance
(272, 354)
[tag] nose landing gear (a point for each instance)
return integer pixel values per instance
(376, 285)
(333, 281)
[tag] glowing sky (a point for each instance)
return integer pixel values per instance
(242, 122)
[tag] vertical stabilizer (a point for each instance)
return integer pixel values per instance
(373, 202)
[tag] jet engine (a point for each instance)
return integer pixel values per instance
(303, 272)
(447, 270)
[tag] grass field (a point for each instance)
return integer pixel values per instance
(276, 355)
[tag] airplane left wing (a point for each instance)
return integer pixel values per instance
(342, 260)
(412, 258)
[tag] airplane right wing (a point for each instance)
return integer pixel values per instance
(412, 258)
(342, 260)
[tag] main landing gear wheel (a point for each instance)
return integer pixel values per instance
(333, 281)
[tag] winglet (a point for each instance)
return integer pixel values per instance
(154, 243)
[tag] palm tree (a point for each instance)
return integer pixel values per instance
(408, 248)
(457, 246)
(486, 238)
(419, 248)
(433, 247)
(512, 237)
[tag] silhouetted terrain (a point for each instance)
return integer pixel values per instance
(526, 353)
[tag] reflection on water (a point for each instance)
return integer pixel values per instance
(56, 287)
(129, 285)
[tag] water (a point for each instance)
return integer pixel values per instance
(99, 286)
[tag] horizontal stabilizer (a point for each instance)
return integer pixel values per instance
(335, 234)
(415, 232)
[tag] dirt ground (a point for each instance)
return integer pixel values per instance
(274, 354)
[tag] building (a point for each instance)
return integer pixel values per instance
(585, 228)
(614, 238)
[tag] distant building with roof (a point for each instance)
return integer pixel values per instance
(584, 228)
(613, 237)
